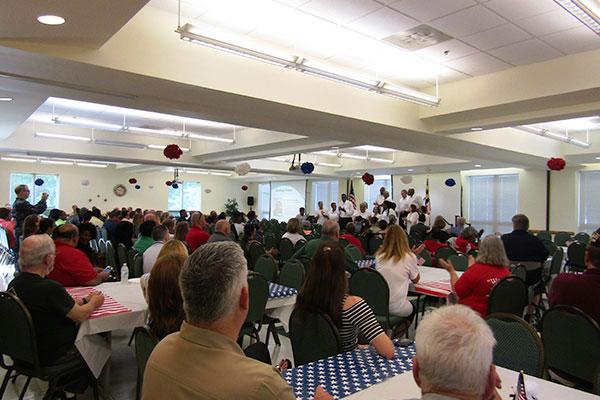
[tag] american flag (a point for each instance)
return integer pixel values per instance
(351, 195)
(521, 395)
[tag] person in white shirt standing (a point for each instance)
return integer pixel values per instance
(334, 213)
(363, 212)
(415, 198)
(380, 197)
(160, 235)
(346, 211)
(320, 213)
(404, 203)
(301, 217)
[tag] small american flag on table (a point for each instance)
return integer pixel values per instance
(521, 394)
(109, 307)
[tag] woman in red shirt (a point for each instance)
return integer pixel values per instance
(466, 240)
(474, 286)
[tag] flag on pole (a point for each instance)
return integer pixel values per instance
(427, 199)
(351, 195)
(521, 394)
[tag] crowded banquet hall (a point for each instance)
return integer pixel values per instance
(300, 199)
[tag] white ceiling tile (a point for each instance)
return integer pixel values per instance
(496, 37)
(550, 22)
(340, 11)
(468, 21)
(455, 48)
(478, 64)
(382, 23)
(573, 40)
(294, 3)
(527, 52)
(518, 9)
(344, 61)
(426, 10)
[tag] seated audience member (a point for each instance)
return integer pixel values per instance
(31, 225)
(249, 237)
(424, 210)
(466, 241)
(124, 234)
(419, 231)
(54, 313)
(160, 235)
(114, 217)
(351, 239)
(59, 216)
(96, 218)
(363, 211)
(165, 305)
(174, 246)
(439, 229)
(237, 225)
(301, 216)
(457, 229)
(581, 290)
(87, 232)
(455, 350)
(197, 236)
(326, 289)
(293, 231)
(475, 284)
(137, 221)
(8, 225)
(145, 239)
(169, 223)
(182, 228)
(222, 232)
(71, 266)
(398, 265)
(46, 225)
(190, 364)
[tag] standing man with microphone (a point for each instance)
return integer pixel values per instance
(346, 211)
(22, 208)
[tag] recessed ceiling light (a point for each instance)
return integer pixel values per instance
(410, 170)
(7, 99)
(477, 128)
(51, 20)
(597, 158)
(477, 165)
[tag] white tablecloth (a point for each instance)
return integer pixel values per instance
(281, 308)
(96, 349)
(403, 386)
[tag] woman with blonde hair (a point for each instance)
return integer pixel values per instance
(398, 265)
(173, 246)
(182, 228)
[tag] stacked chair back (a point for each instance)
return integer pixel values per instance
(299, 244)
(374, 244)
(131, 262)
(144, 344)
(122, 256)
(561, 238)
(551, 246)
(556, 263)
(582, 237)
(572, 342)
(576, 256)
(138, 265)
(292, 274)
(254, 252)
(104, 233)
(459, 261)
(265, 265)
(111, 256)
(508, 296)
(544, 235)
(313, 336)
(102, 246)
(518, 346)
(286, 249)
(270, 241)
(445, 252)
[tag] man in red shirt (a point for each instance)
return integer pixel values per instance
(72, 267)
(197, 236)
(581, 290)
(351, 239)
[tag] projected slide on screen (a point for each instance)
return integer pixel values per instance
(286, 199)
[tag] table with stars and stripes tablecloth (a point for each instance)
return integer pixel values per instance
(280, 303)
(348, 373)
(277, 291)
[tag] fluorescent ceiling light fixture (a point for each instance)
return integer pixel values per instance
(91, 165)
(354, 156)
(51, 20)
(220, 173)
(381, 160)
(187, 32)
(477, 128)
(167, 132)
(376, 149)
(597, 158)
(410, 170)
(6, 99)
(195, 171)
(552, 135)
(574, 124)
(56, 162)
(59, 136)
(332, 165)
(162, 147)
(80, 122)
(477, 165)
(119, 144)
(26, 160)
(212, 138)
(586, 11)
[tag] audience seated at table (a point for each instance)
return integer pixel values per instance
(197, 236)
(455, 350)
(293, 231)
(466, 240)
(398, 265)
(475, 284)
(326, 289)
(203, 360)
(145, 239)
(160, 235)
(71, 266)
(581, 290)
(54, 313)
(351, 239)
(222, 232)
(87, 232)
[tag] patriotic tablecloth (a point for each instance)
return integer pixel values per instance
(109, 307)
(277, 291)
(281, 302)
(348, 373)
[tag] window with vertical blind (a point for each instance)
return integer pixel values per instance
(492, 201)
(325, 191)
(187, 195)
(50, 186)
(589, 206)
(372, 191)
(264, 201)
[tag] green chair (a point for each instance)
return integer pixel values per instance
(572, 344)
(313, 337)
(343, 242)
(561, 238)
(111, 256)
(426, 255)
(374, 244)
(138, 265)
(270, 241)
(102, 246)
(459, 261)
(122, 257)
(299, 244)
(550, 246)
(518, 346)
(544, 235)
(18, 341)
(508, 296)
(306, 262)
(556, 263)
(354, 253)
(582, 237)
(372, 287)
(254, 252)
(145, 342)
(130, 261)
(292, 274)
(519, 270)
(576, 256)
(258, 290)
(444, 253)
(265, 265)
(286, 249)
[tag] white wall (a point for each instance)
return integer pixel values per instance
(102, 182)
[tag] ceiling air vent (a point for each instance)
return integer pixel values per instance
(417, 38)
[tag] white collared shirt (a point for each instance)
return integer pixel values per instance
(380, 199)
(348, 209)
(403, 204)
(321, 216)
(333, 215)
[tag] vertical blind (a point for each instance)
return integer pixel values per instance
(325, 191)
(264, 201)
(372, 191)
(589, 206)
(188, 196)
(492, 201)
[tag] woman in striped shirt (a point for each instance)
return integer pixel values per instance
(326, 290)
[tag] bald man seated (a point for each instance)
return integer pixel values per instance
(54, 313)
(222, 232)
(72, 267)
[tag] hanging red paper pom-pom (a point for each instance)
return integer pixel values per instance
(172, 151)
(168, 183)
(244, 188)
(133, 181)
(556, 164)
(368, 178)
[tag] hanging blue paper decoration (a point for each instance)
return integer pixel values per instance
(174, 185)
(450, 182)
(39, 182)
(138, 187)
(307, 167)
